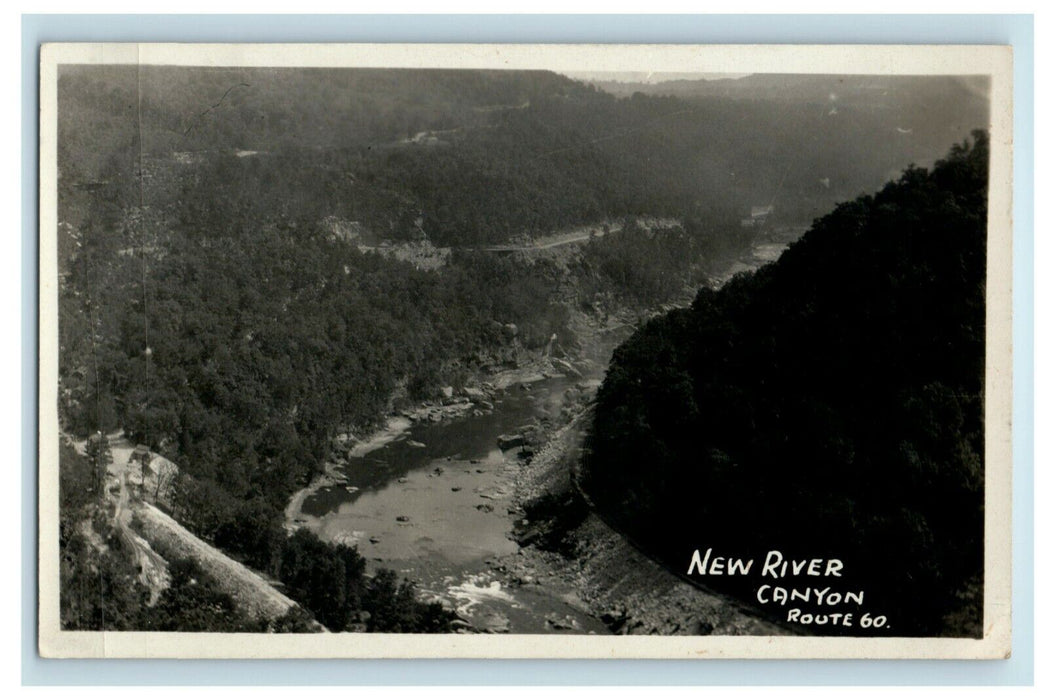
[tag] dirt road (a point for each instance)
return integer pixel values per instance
(152, 568)
(251, 591)
(555, 240)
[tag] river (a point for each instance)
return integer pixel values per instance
(434, 503)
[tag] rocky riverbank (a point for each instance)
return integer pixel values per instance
(567, 547)
(475, 399)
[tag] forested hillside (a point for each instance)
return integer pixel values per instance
(467, 157)
(828, 405)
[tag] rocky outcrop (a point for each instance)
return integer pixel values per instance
(253, 594)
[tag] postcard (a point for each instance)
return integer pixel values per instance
(525, 351)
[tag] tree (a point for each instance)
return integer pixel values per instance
(100, 457)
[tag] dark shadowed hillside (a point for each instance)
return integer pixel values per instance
(828, 405)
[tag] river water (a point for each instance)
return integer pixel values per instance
(434, 504)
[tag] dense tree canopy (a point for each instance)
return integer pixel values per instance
(830, 404)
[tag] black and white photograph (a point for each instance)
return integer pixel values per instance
(613, 351)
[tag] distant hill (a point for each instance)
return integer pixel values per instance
(829, 405)
(467, 157)
(892, 90)
(262, 109)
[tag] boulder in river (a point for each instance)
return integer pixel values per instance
(560, 623)
(506, 442)
(493, 623)
(566, 367)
